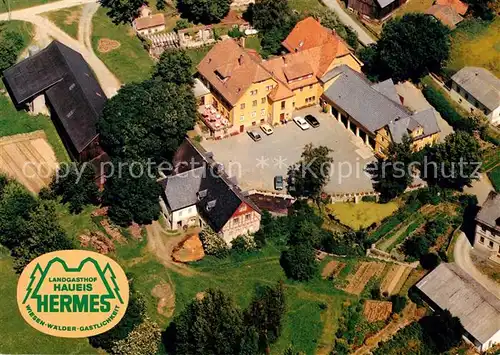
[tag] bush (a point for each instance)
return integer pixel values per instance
(398, 303)
(235, 32)
(299, 262)
(430, 261)
(182, 24)
(369, 198)
(243, 244)
(213, 244)
(450, 115)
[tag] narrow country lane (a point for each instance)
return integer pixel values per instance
(363, 35)
(462, 257)
(110, 84)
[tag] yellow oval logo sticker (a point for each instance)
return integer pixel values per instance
(72, 293)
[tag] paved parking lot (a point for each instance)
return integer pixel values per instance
(254, 164)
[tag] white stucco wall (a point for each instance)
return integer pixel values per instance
(183, 216)
(494, 116)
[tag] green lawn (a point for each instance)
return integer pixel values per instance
(253, 43)
(304, 6)
(15, 122)
(24, 28)
(197, 54)
(305, 324)
(476, 43)
(17, 336)
(21, 4)
(362, 214)
(413, 6)
(494, 176)
(130, 62)
(66, 19)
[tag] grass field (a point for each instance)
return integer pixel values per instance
(253, 43)
(362, 214)
(17, 336)
(494, 176)
(15, 122)
(21, 4)
(197, 54)
(476, 43)
(66, 19)
(306, 324)
(413, 6)
(130, 62)
(304, 6)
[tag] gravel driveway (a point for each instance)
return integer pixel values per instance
(254, 164)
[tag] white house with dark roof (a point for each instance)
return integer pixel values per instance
(199, 193)
(374, 112)
(449, 287)
(487, 237)
(481, 89)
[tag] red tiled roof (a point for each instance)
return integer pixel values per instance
(446, 14)
(150, 21)
(458, 5)
(231, 70)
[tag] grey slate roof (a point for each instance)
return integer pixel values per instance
(384, 3)
(375, 106)
(69, 84)
(388, 89)
(353, 94)
(181, 189)
(451, 288)
(490, 211)
(480, 83)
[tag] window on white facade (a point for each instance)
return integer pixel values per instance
(254, 114)
(236, 220)
(263, 113)
(491, 245)
(247, 217)
(180, 213)
(242, 118)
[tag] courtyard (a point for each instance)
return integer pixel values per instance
(255, 164)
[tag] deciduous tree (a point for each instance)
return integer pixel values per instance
(204, 11)
(265, 314)
(132, 194)
(174, 67)
(391, 176)
(122, 11)
(409, 47)
(76, 185)
(11, 45)
(299, 262)
(311, 173)
(144, 339)
(147, 120)
(212, 325)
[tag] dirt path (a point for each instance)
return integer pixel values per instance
(410, 314)
(162, 246)
(85, 25)
(110, 84)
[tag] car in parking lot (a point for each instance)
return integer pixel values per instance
(254, 135)
(302, 123)
(313, 121)
(278, 182)
(266, 129)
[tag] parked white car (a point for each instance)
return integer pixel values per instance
(266, 129)
(301, 123)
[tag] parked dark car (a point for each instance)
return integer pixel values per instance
(312, 121)
(254, 135)
(278, 182)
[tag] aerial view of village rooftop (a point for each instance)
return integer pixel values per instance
(272, 176)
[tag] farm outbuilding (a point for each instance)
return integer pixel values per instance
(449, 287)
(72, 93)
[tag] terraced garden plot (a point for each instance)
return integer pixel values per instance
(402, 280)
(377, 310)
(333, 268)
(392, 279)
(29, 159)
(364, 273)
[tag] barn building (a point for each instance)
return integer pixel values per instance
(74, 97)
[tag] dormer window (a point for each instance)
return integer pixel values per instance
(202, 194)
(220, 76)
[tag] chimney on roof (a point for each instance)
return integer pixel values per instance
(240, 59)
